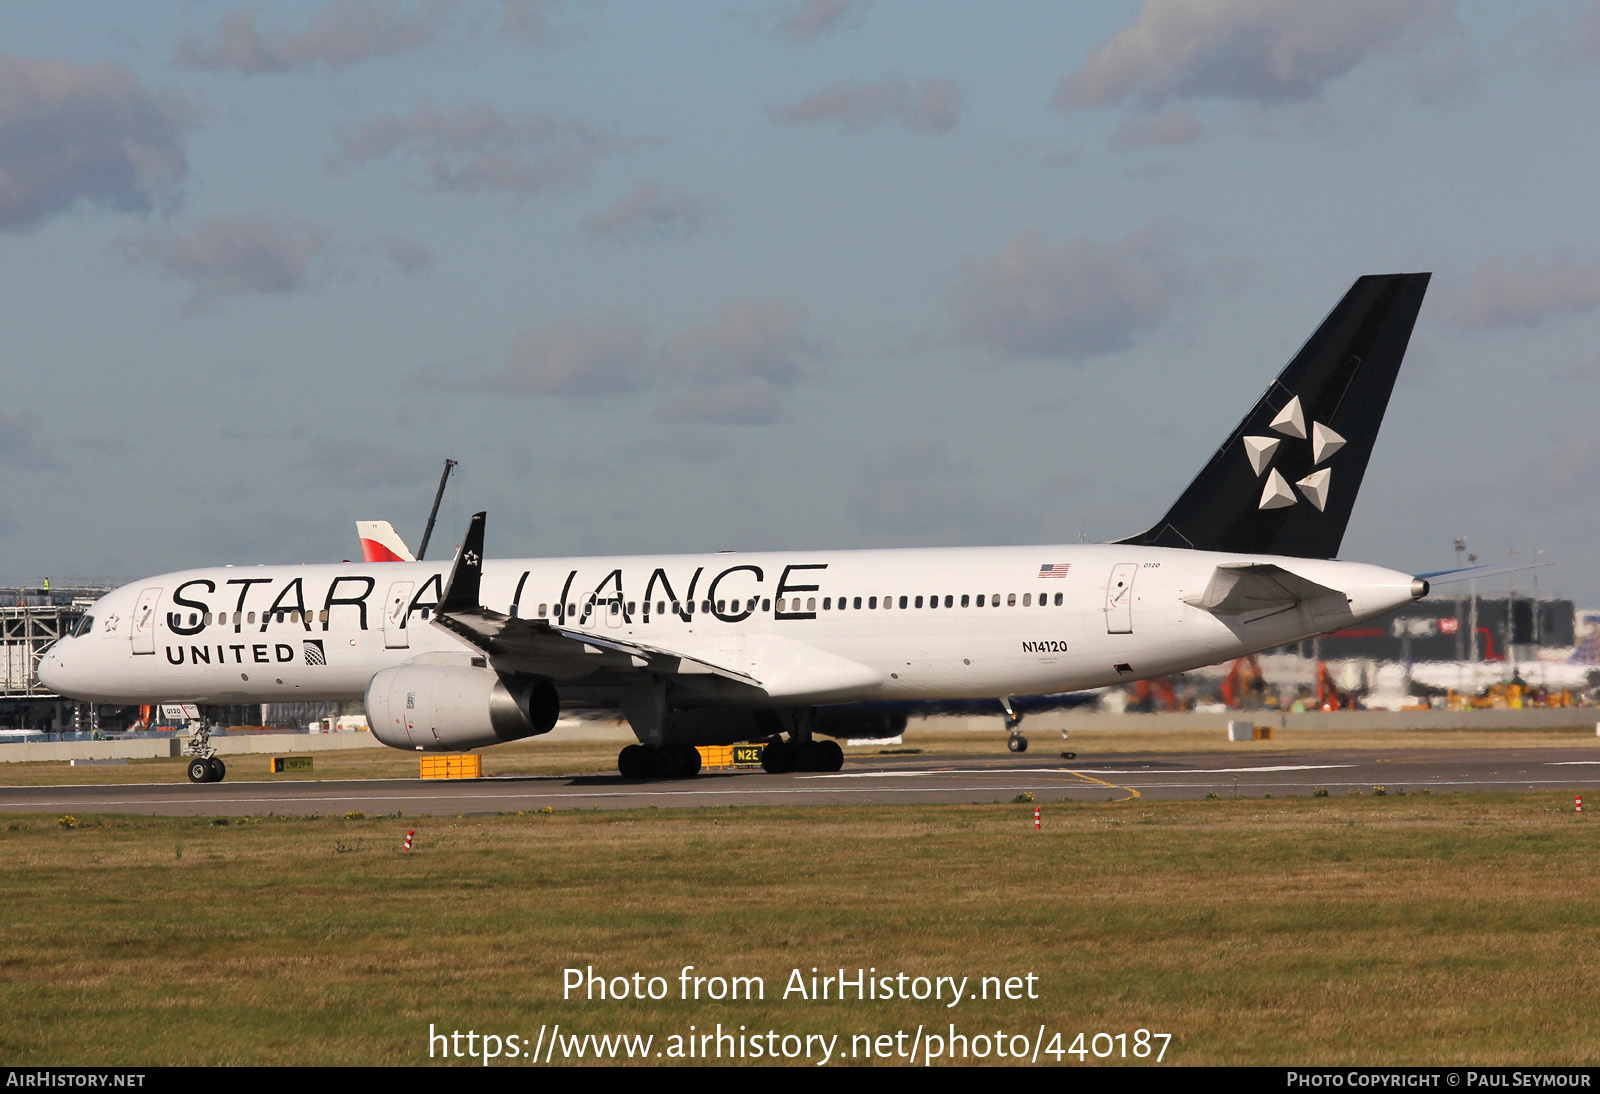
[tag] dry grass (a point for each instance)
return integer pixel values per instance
(1399, 930)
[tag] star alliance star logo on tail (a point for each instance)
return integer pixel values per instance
(1291, 422)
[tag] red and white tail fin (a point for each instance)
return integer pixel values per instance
(381, 543)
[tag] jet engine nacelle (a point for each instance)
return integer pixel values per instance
(442, 708)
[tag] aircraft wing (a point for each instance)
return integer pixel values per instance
(508, 637)
(1258, 589)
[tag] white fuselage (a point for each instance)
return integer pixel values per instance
(811, 628)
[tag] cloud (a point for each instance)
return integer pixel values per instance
(1583, 372)
(586, 358)
(1588, 30)
(1175, 126)
(735, 369)
(739, 402)
(363, 465)
(528, 20)
(647, 213)
(74, 135)
(1448, 80)
(242, 255)
(753, 340)
(1503, 296)
(407, 256)
(24, 444)
(934, 106)
(477, 149)
(1566, 467)
(813, 18)
(916, 488)
(1260, 51)
(342, 34)
(1068, 301)
(689, 446)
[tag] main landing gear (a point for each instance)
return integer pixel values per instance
(780, 756)
(683, 761)
(659, 762)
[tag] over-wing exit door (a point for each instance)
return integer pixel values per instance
(395, 634)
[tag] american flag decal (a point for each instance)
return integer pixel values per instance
(313, 651)
(1054, 569)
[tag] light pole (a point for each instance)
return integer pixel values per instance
(1511, 611)
(1472, 626)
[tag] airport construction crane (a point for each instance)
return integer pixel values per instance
(433, 515)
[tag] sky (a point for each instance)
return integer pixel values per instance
(792, 274)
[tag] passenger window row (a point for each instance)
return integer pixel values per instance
(227, 618)
(807, 604)
(785, 604)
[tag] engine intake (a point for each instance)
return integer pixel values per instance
(433, 708)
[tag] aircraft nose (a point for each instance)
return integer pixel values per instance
(49, 666)
(53, 671)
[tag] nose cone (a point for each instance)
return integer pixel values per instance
(50, 672)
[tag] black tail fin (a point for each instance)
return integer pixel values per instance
(1284, 482)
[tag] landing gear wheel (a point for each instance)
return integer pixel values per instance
(666, 762)
(692, 761)
(199, 770)
(1069, 755)
(1018, 743)
(832, 756)
(777, 758)
(219, 770)
(633, 762)
(806, 756)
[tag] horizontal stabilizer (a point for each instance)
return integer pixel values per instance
(1259, 588)
(1470, 573)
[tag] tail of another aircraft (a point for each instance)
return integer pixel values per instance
(1285, 480)
(381, 543)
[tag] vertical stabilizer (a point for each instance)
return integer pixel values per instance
(381, 543)
(1285, 481)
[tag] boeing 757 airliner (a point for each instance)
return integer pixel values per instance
(794, 647)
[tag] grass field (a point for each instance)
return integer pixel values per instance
(1444, 929)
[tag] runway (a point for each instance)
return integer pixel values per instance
(878, 779)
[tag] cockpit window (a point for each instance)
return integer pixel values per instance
(85, 626)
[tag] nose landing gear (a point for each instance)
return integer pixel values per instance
(205, 766)
(1016, 742)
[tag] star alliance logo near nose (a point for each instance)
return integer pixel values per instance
(1291, 422)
